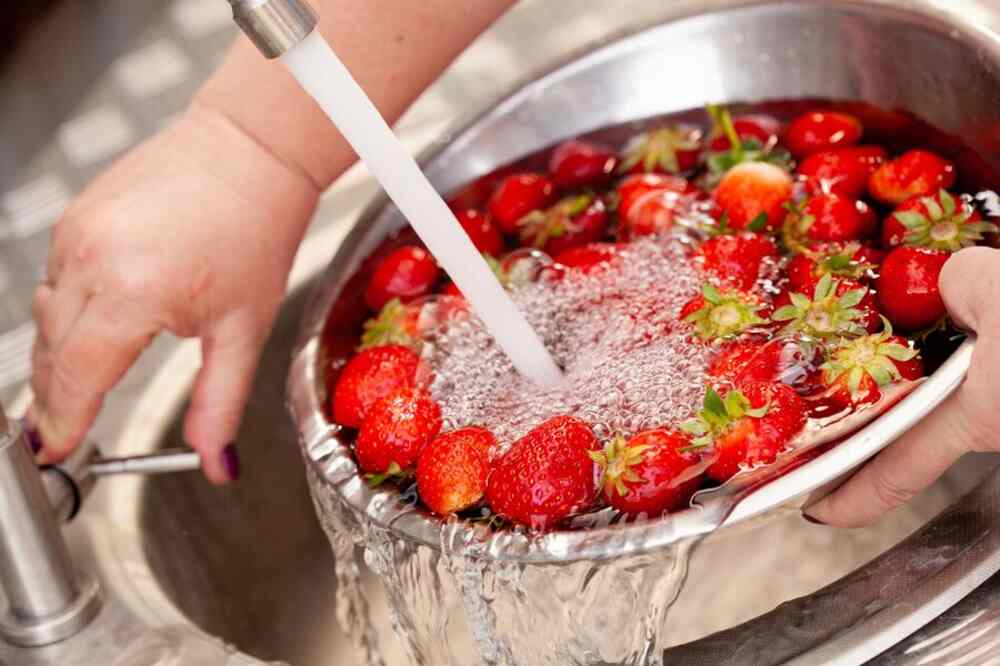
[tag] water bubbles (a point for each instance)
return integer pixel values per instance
(628, 364)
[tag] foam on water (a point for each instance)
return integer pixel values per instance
(628, 363)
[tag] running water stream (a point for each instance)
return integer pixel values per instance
(321, 73)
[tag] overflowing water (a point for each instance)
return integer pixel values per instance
(318, 70)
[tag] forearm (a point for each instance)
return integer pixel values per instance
(394, 48)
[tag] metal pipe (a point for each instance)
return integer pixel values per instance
(161, 462)
(274, 26)
(46, 600)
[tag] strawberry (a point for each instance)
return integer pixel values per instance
(756, 127)
(722, 314)
(672, 149)
(746, 427)
(843, 260)
(547, 475)
(647, 204)
(736, 259)
(908, 292)
(369, 377)
(917, 173)
(452, 470)
(843, 171)
(855, 370)
(576, 220)
(752, 191)
(588, 258)
(838, 308)
(395, 324)
(516, 196)
(828, 217)
(740, 150)
(396, 430)
(576, 164)
(790, 361)
(649, 473)
(482, 231)
(939, 222)
(407, 274)
(821, 130)
(634, 188)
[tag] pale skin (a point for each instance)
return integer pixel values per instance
(194, 233)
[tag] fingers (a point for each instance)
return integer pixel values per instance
(970, 282)
(899, 472)
(230, 354)
(71, 378)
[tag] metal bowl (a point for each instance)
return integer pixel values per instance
(939, 64)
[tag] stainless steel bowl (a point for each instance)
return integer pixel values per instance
(895, 54)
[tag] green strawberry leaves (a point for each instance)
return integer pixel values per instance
(540, 226)
(718, 413)
(657, 150)
(870, 356)
(389, 327)
(725, 314)
(946, 225)
(825, 315)
(740, 150)
(617, 461)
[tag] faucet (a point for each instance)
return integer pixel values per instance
(48, 600)
(274, 26)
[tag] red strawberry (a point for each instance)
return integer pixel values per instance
(821, 130)
(917, 173)
(396, 324)
(452, 470)
(588, 258)
(843, 260)
(634, 188)
(855, 370)
(368, 377)
(828, 217)
(396, 430)
(576, 220)
(843, 171)
(836, 308)
(518, 195)
(788, 360)
(722, 314)
(754, 191)
(576, 164)
(739, 149)
(907, 286)
(648, 474)
(737, 259)
(756, 127)
(547, 475)
(483, 233)
(647, 204)
(673, 149)
(746, 427)
(939, 222)
(407, 274)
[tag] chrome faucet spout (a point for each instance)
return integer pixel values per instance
(274, 26)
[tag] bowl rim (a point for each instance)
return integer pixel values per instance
(330, 460)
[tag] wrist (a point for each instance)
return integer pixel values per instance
(237, 162)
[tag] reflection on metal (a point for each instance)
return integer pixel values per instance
(274, 26)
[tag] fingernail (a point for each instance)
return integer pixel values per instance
(34, 441)
(231, 462)
(810, 519)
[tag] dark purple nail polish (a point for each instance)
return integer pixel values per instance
(231, 462)
(34, 441)
(810, 519)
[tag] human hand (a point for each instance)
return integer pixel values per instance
(194, 233)
(967, 421)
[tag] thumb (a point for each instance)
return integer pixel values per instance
(230, 353)
(969, 285)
